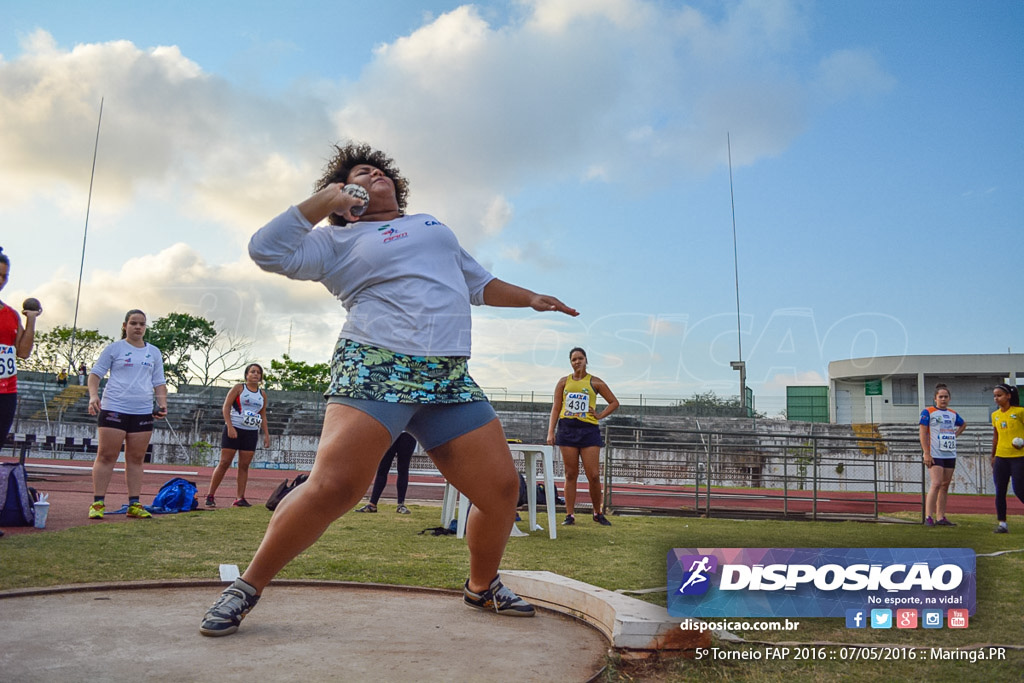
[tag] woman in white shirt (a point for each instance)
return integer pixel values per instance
(127, 411)
(400, 364)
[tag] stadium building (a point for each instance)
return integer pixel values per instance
(895, 389)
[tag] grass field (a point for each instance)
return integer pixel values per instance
(630, 555)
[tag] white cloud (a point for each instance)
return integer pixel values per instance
(238, 297)
(851, 73)
(165, 124)
(619, 91)
(778, 383)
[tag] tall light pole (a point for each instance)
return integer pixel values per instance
(736, 364)
(85, 236)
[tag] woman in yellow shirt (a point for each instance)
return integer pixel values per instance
(1007, 449)
(577, 434)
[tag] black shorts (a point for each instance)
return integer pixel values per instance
(577, 433)
(131, 424)
(8, 408)
(948, 463)
(245, 441)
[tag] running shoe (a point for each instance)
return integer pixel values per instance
(928, 521)
(241, 503)
(96, 510)
(602, 520)
(136, 510)
(402, 510)
(569, 520)
(1001, 529)
(211, 502)
(944, 522)
(498, 598)
(231, 607)
(369, 507)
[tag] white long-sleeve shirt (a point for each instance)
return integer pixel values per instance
(406, 283)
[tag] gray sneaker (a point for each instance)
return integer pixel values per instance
(231, 607)
(498, 598)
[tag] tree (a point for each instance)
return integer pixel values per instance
(297, 375)
(709, 404)
(179, 336)
(52, 350)
(224, 354)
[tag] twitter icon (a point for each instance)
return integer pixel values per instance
(881, 618)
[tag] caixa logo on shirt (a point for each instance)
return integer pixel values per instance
(808, 582)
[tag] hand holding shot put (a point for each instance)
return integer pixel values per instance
(31, 308)
(16, 341)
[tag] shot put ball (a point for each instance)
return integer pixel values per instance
(359, 192)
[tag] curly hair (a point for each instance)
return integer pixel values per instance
(353, 154)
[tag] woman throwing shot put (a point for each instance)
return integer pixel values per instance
(400, 364)
(245, 412)
(938, 429)
(1007, 449)
(15, 342)
(127, 410)
(577, 434)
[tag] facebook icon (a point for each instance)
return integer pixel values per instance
(856, 618)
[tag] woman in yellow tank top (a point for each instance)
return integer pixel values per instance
(573, 427)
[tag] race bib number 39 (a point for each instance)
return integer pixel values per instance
(8, 362)
(577, 403)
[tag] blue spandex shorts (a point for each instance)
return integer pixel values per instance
(433, 424)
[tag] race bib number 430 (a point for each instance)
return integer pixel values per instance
(577, 403)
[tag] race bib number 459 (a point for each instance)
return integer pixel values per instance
(8, 362)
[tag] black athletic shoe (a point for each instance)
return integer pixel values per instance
(231, 607)
(569, 520)
(242, 503)
(1001, 529)
(602, 520)
(499, 599)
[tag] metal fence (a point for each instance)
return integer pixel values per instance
(748, 474)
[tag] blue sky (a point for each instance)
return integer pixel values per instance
(577, 147)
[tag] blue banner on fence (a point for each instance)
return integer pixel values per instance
(817, 582)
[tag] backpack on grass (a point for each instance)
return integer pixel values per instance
(16, 498)
(177, 495)
(283, 489)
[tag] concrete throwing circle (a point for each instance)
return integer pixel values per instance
(308, 632)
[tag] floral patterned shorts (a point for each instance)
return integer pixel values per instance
(374, 374)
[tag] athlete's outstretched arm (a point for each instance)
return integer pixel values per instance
(503, 294)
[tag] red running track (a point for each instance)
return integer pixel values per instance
(69, 485)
